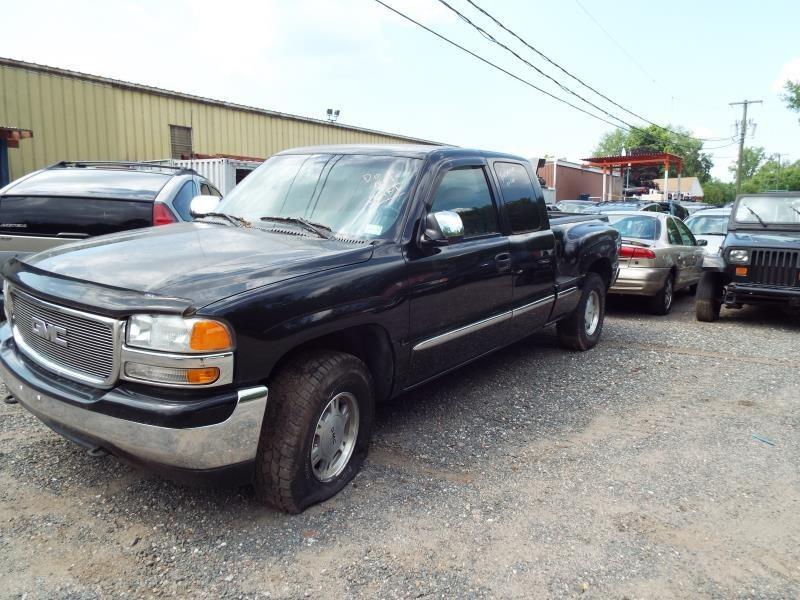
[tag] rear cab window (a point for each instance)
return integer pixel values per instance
(518, 197)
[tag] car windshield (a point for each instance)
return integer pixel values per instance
(708, 224)
(638, 227)
(766, 210)
(355, 196)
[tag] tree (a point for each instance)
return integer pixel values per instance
(773, 176)
(792, 95)
(718, 192)
(696, 163)
(752, 159)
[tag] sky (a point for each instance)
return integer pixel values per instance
(681, 63)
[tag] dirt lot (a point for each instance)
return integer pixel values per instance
(629, 471)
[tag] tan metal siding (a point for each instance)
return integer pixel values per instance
(77, 119)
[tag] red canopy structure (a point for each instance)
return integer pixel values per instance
(609, 163)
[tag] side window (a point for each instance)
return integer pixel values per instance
(183, 198)
(515, 183)
(206, 189)
(686, 235)
(673, 233)
(465, 191)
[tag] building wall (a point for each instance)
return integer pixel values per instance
(82, 117)
(572, 181)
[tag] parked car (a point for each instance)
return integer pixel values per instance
(577, 206)
(759, 259)
(627, 206)
(659, 256)
(710, 225)
(675, 209)
(74, 200)
(331, 278)
(693, 207)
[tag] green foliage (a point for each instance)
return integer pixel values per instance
(718, 192)
(752, 159)
(772, 176)
(792, 95)
(653, 139)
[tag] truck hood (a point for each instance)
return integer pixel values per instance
(196, 262)
(787, 240)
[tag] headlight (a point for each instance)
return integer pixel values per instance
(175, 334)
(739, 257)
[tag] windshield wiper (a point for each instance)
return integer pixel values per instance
(755, 214)
(795, 210)
(322, 231)
(233, 219)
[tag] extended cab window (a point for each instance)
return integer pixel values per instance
(523, 214)
(183, 199)
(465, 191)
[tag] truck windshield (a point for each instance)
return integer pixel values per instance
(764, 210)
(355, 196)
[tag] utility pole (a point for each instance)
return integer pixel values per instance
(743, 133)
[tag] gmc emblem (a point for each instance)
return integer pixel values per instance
(53, 333)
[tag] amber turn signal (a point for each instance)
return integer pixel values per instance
(741, 271)
(203, 375)
(210, 336)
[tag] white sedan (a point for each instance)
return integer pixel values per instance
(710, 225)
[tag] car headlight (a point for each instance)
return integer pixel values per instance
(739, 257)
(170, 333)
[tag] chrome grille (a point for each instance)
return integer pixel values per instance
(90, 353)
(774, 267)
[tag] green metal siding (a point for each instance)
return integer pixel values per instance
(79, 117)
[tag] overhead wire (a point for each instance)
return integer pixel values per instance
(498, 67)
(558, 66)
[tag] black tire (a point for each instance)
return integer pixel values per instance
(572, 330)
(662, 302)
(298, 395)
(708, 301)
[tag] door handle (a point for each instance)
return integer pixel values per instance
(503, 262)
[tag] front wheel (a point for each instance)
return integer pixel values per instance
(316, 430)
(708, 301)
(582, 328)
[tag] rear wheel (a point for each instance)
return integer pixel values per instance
(661, 303)
(316, 430)
(582, 328)
(708, 301)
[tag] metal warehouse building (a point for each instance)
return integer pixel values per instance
(49, 114)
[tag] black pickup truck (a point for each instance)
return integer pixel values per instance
(253, 343)
(759, 259)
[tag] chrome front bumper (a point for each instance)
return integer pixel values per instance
(233, 441)
(639, 281)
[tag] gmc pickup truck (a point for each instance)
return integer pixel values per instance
(253, 343)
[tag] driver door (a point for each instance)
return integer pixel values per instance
(460, 293)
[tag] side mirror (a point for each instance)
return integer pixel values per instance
(702, 242)
(442, 228)
(201, 205)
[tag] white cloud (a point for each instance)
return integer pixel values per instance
(789, 72)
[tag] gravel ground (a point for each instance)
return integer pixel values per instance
(630, 471)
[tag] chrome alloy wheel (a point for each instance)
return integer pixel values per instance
(335, 437)
(591, 314)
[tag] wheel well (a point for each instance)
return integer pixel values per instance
(602, 266)
(369, 343)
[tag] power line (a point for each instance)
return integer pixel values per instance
(563, 70)
(620, 46)
(499, 68)
(494, 40)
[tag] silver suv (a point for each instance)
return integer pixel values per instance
(74, 200)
